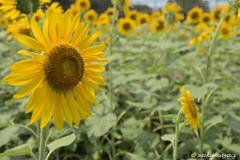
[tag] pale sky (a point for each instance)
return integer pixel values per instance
(155, 4)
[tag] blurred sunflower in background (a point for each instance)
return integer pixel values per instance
(19, 27)
(143, 18)
(83, 5)
(56, 8)
(38, 15)
(194, 15)
(90, 16)
(126, 26)
(62, 80)
(226, 30)
(171, 13)
(190, 109)
(205, 18)
(103, 17)
(158, 26)
(133, 15)
(109, 11)
(155, 15)
(74, 10)
(215, 14)
(104, 23)
(125, 6)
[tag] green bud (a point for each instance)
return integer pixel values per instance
(170, 17)
(27, 6)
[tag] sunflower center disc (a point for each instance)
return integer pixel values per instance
(206, 19)
(160, 25)
(25, 31)
(126, 26)
(83, 4)
(143, 20)
(216, 14)
(194, 15)
(133, 17)
(90, 17)
(64, 67)
(225, 31)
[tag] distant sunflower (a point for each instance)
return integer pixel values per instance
(125, 6)
(61, 80)
(158, 26)
(74, 10)
(215, 14)
(103, 23)
(133, 15)
(103, 17)
(83, 5)
(38, 15)
(194, 15)
(90, 16)
(171, 13)
(126, 26)
(205, 18)
(109, 11)
(143, 18)
(226, 30)
(155, 15)
(190, 109)
(20, 27)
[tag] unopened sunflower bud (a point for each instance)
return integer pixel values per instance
(27, 6)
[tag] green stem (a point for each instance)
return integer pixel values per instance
(27, 128)
(111, 84)
(206, 79)
(177, 134)
(43, 138)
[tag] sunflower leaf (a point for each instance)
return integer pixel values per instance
(169, 137)
(171, 116)
(19, 150)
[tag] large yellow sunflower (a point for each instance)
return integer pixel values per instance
(190, 109)
(171, 13)
(226, 30)
(62, 80)
(83, 5)
(133, 15)
(194, 15)
(90, 16)
(126, 26)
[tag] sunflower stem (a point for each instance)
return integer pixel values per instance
(43, 138)
(111, 85)
(206, 79)
(176, 139)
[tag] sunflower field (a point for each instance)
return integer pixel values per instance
(83, 85)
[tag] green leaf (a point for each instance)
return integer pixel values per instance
(183, 124)
(169, 137)
(102, 28)
(19, 150)
(171, 116)
(233, 121)
(64, 141)
(166, 106)
(98, 125)
(147, 140)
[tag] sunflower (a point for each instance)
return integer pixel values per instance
(74, 10)
(201, 26)
(215, 14)
(104, 23)
(204, 35)
(61, 80)
(56, 8)
(205, 18)
(171, 13)
(125, 6)
(20, 27)
(230, 18)
(155, 15)
(2, 22)
(158, 26)
(109, 11)
(103, 17)
(226, 30)
(143, 18)
(83, 5)
(194, 15)
(126, 26)
(190, 109)
(90, 16)
(133, 15)
(38, 15)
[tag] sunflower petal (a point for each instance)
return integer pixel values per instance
(35, 55)
(95, 67)
(28, 65)
(87, 41)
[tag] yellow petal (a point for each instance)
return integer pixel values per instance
(91, 85)
(83, 36)
(38, 33)
(45, 31)
(87, 41)
(52, 23)
(35, 55)
(95, 67)
(95, 79)
(28, 65)
(83, 103)
(78, 33)
(29, 87)
(45, 118)
(72, 106)
(92, 50)
(18, 79)
(99, 60)
(30, 42)
(82, 90)
(65, 109)
(57, 114)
